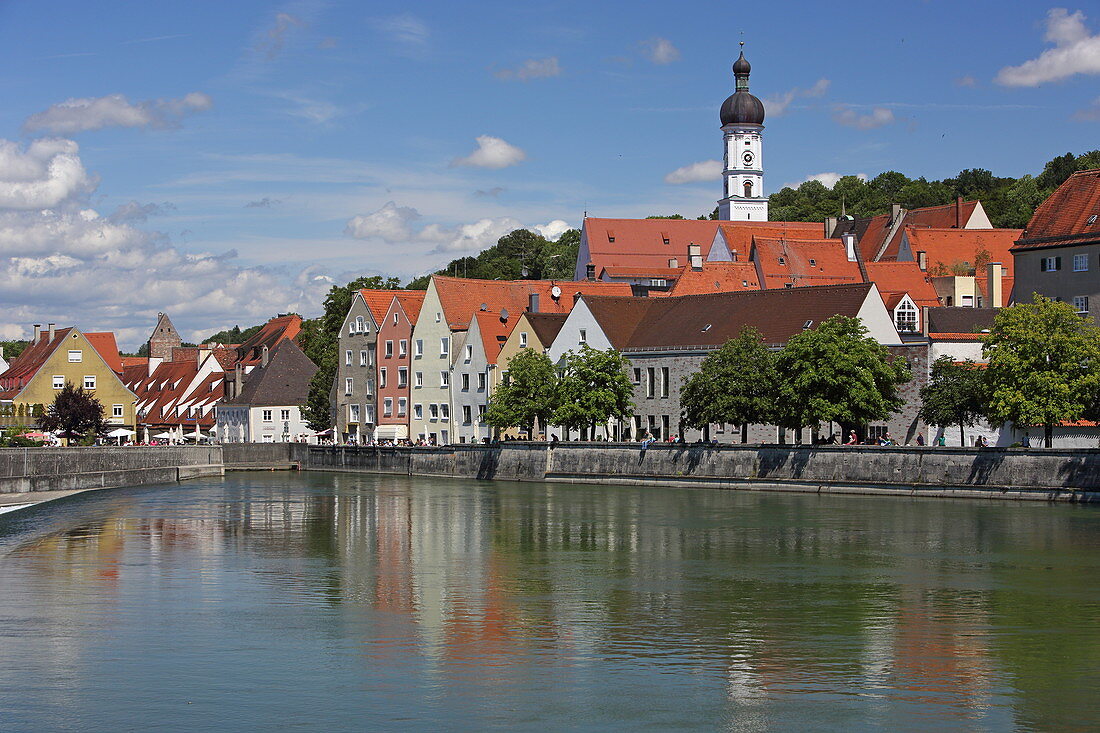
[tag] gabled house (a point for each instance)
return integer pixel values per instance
(267, 409)
(353, 388)
(906, 291)
(964, 263)
(1058, 253)
(880, 237)
(475, 373)
(395, 385)
(55, 357)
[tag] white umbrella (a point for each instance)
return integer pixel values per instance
(120, 433)
(163, 436)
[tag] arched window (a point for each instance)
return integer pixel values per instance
(748, 189)
(360, 326)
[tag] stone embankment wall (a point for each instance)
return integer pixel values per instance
(70, 469)
(1071, 475)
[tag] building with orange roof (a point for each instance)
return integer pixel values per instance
(880, 237)
(1058, 253)
(716, 277)
(784, 263)
(395, 333)
(965, 264)
(56, 357)
(476, 373)
(267, 409)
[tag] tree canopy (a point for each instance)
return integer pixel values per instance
(1044, 365)
(837, 373)
(518, 255)
(593, 388)
(74, 412)
(736, 384)
(953, 396)
(528, 395)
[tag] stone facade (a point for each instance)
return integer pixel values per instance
(163, 339)
(353, 388)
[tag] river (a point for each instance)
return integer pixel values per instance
(325, 601)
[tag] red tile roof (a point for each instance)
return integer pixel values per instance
(494, 332)
(641, 243)
(462, 297)
(1064, 217)
(378, 301)
(128, 361)
(956, 336)
(634, 271)
(23, 368)
(410, 301)
(739, 234)
(803, 262)
(716, 277)
(946, 248)
(274, 331)
(882, 234)
(895, 278)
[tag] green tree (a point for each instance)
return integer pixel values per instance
(319, 340)
(593, 388)
(74, 412)
(528, 396)
(837, 373)
(1044, 365)
(735, 384)
(11, 349)
(953, 395)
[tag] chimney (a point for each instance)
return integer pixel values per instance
(994, 285)
(830, 226)
(37, 332)
(238, 377)
(958, 212)
(590, 271)
(52, 329)
(533, 303)
(695, 256)
(263, 356)
(674, 263)
(924, 320)
(849, 239)
(895, 212)
(922, 260)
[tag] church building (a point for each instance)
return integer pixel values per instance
(742, 117)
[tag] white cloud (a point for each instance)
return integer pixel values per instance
(1075, 51)
(274, 39)
(531, 69)
(134, 211)
(660, 51)
(776, 105)
(390, 223)
(48, 173)
(704, 170)
(553, 230)
(827, 179)
(404, 28)
(848, 117)
(966, 81)
(96, 113)
(476, 236)
(492, 152)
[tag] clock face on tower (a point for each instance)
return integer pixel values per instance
(747, 157)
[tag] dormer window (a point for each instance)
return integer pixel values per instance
(1092, 220)
(665, 239)
(813, 263)
(782, 260)
(706, 328)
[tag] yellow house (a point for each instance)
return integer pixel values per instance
(57, 356)
(532, 331)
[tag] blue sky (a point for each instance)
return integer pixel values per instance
(226, 161)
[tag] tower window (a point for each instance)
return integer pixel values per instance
(748, 189)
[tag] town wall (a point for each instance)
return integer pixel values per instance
(71, 469)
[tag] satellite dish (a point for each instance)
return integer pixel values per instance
(555, 292)
(504, 314)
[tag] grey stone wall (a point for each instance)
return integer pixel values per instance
(68, 469)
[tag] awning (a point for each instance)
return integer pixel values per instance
(391, 432)
(120, 433)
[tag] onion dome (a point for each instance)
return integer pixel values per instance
(742, 108)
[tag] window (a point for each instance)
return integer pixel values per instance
(402, 377)
(637, 379)
(657, 282)
(1081, 305)
(387, 407)
(403, 348)
(1050, 264)
(584, 336)
(523, 340)
(284, 414)
(481, 382)
(481, 413)
(267, 416)
(433, 411)
(89, 381)
(418, 348)
(395, 319)
(389, 349)
(360, 324)
(418, 379)
(1081, 263)
(418, 411)
(353, 413)
(382, 378)
(76, 356)
(968, 301)
(444, 379)
(467, 415)
(905, 317)
(58, 381)
(370, 387)
(402, 406)
(444, 346)
(438, 316)
(782, 260)
(813, 262)
(363, 359)
(444, 411)
(444, 437)
(664, 381)
(268, 438)
(469, 352)
(465, 382)
(876, 432)
(369, 416)
(347, 358)
(1092, 220)
(651, 378)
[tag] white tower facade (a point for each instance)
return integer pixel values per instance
(742, 117)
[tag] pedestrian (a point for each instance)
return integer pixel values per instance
(920, 438)
(853, 439)
(1026, 442)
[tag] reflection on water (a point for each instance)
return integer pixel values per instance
(348, 601)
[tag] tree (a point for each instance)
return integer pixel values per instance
(735, 384)
(837, 373)
(593, 388)
(11, 349)
(528, 396)
(1044, 365)
(953, 395)
(73, 411)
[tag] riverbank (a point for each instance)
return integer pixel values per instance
(992, 473)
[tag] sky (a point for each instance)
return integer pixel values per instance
(227, 161)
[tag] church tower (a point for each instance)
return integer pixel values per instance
(163, 339)
(742, 117)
